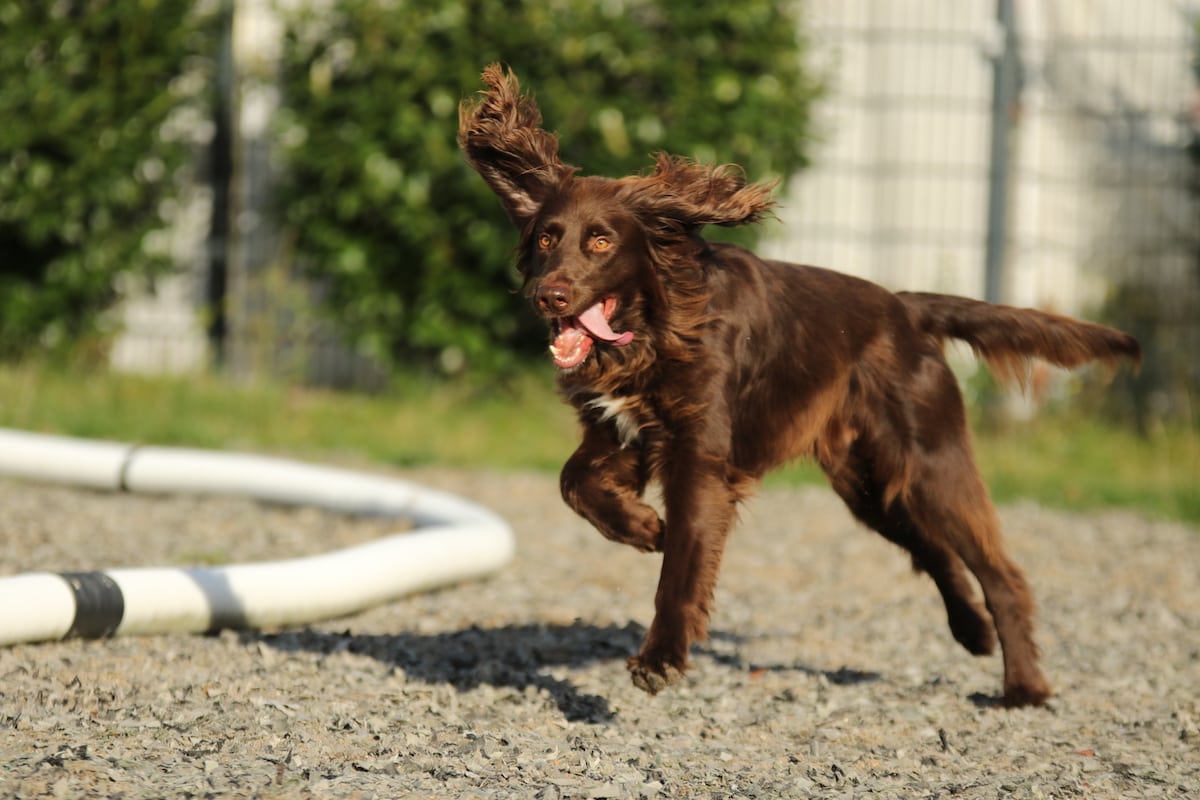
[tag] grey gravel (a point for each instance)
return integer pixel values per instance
(829, 672)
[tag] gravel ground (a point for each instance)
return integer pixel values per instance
(829, 674)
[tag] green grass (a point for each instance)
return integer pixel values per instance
(1079, 463)
(514, 425)
(1062, 460)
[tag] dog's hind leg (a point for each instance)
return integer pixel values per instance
(951, 499)
(970, 623)
(948, 501)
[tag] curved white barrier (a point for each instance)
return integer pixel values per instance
(455, 540)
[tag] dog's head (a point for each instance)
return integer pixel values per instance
(593, 249)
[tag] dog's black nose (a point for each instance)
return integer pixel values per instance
(553, 298)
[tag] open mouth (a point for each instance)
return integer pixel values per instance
(574, 336)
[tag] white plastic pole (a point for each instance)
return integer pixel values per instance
(79, 462)
(455, 541)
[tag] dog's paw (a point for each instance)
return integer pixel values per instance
(1032, 695)
(652, 679)
(648, 533)
(643, 532)
(973, 629)
(653, 544)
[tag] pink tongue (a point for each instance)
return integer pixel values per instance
(593, 319)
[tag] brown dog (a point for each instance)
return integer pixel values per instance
(702, 366)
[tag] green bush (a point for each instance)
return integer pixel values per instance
(413, 250)
(87, 85)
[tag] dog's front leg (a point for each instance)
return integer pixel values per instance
(700, 508)
(603, 482)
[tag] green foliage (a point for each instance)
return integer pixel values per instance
(414, 250)
(87, 85)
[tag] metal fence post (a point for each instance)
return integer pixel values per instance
(1005, 96)
(221, 166)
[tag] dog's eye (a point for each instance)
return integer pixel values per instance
(544, 241)
(601, 243)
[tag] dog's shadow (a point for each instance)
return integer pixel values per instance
(517, 657)
(512, 656)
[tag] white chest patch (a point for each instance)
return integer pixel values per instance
(614, 408)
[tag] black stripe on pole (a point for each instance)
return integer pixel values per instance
(99, 604)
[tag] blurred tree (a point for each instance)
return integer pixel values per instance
(413, 249)
(84, 172)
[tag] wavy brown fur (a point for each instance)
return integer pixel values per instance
(738, 364)
(1009, 338)
(502, 138)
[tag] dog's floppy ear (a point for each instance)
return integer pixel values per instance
(502, 138)
(691, 194)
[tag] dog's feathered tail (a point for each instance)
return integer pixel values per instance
(1008, 338)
